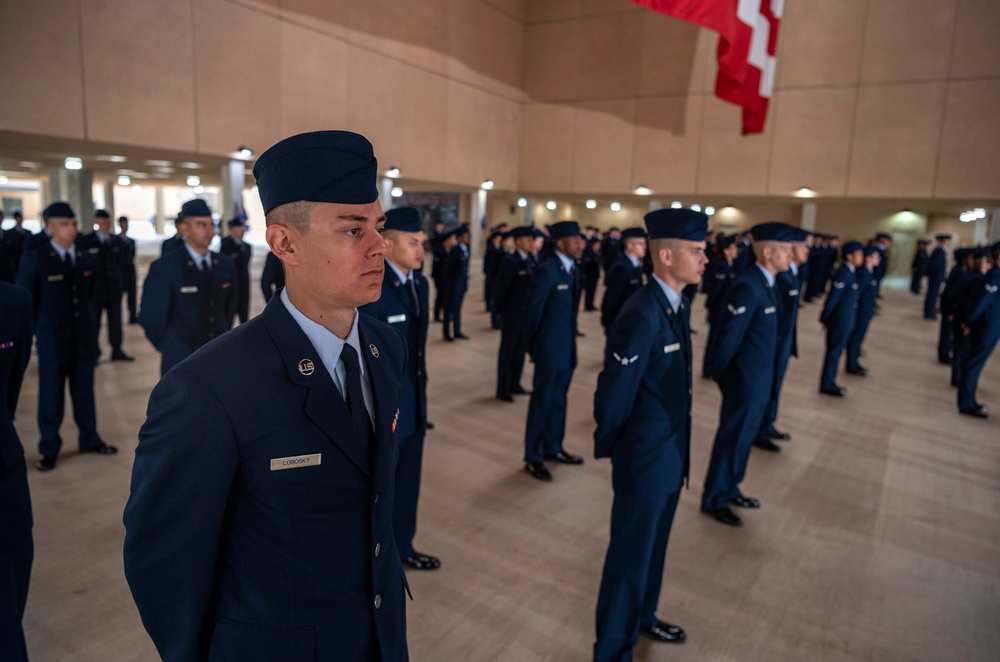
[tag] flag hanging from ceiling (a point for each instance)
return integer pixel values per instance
(748, 38)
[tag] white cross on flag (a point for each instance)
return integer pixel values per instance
(748, 38)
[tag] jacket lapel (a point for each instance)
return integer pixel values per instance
(380, 381)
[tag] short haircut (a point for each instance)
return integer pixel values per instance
(293, 214)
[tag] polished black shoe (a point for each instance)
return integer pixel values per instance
(518, 390)
(422, 561)
(563, 457)
(461, 336)
(767, 445)
(977, 412)
(838, 391)
(944, 361)
(745, 502)
(725, 515)
(449, 339)
(860, 371)
(694, 332)
(780, 436)
(101, 449)
(133, 320)
(581, 334)
(429, 425)
(122, 356)
(505, 398)
(538, 470)
(46, 463)
(665, 632)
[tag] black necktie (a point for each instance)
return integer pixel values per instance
(355, 397)
(206, 275)
(68, 265)
(411, 287)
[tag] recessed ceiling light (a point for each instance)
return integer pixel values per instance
(488, 184)
(245, 152)
(696, 207)
(805, 192)
(193, 180)
(198, 190)
(616, 206)
(522, 202)
(393, 172)
(676, 204)
(591, 204)
(191, 165)
(124, 180)
(396, 192)
(710, 210)
(113, 158)
(551, 205)
(73, 163)
(642, 189)
(164, 164)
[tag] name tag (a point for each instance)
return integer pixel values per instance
(769, 310)
(671, 348)
(854, 287)
(522, 273)
(392, 319)
(793, 293)
(838, 285)
(562, 286)
(736, 311)
(992, 288)
(93, 250)
(296, 461)
(55, 277)
(189, 289)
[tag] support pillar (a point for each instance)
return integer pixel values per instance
(385, 193)
(77, 188)
(529, 212)
(234, 176)
(994, 233)
(160, 223)
(807, 219)
(109, 201)
(477, 221)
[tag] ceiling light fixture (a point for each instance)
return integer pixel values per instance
(522, 202)
(591, 204)
(396, 192)
(193, 180)
(805, 192)
(393, 172)
(616, 206)
(551, 205)
(696, 207)
(710, 210)
(488, 184)
(244, 152)
(676, 204)
(642, 189)
(124, 180)
(73, 163)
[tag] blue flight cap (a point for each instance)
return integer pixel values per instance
(403, 219)
(686, 224)
(995, 247)
(239, 220)
(461, 230)
(522, 231)
(801, 236)
(564, 229)
(882, 235)
(321, 166)
(725, 241)
(538, 234)
(100, 213)
(634, 233)
(196, 207)
(851, 247)
(773, 231)
(58, 210)
(870, 250)
(982, 251)
(942, 236)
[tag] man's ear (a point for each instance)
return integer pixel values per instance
(280, 239)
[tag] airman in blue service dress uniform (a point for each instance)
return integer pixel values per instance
(272, 277)
(787, 288)
(61, 278)
(721, 279)
(404, 306)
(624, 277)
(109, 251)
(868, 286)
(743, 365)
(980, 323)
(128, 270)
(509, 295)
(259, 526)
(643, 410)
(936, 274)
(456, 282)
(240, 252)
(189, 296)
(16, 547)
(918, 268)
(550, 327)
(958, 278)
(838, 316)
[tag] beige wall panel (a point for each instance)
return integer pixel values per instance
(415, 31)
(547, 140)
(483, 138)
(238, 100)
(552, 61)
(553, 10)
(425, 122)
(812, 139)
(516, 9)
(314, 81)
(374, 106)
(969, 161)
(610, 56)
(602, 157)
(671, 56)
(486, 47)
(728, 162)
(33, 66)
(666, 143)
(907, 40)
(139, 74)
(820, 42)
(896, 138)
(603, 7)
(976, 51)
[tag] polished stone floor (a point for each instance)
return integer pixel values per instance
(878, 539)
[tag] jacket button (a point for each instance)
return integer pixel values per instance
(378, 600)
(378, 548)
(376, 496)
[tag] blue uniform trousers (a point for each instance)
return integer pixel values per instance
(453, 312)
(404, 508)
(52, 377)
(933, 290)
(546, 412)
(946, 340)
(15, 565)
(641, 517)
(959, 353)
(979, 350)
(510, 359)
(836, 340)
(767, 430)
(855, 340)
(113, 304)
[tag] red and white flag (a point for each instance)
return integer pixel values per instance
(748, 39)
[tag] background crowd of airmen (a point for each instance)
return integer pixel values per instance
(535, 283)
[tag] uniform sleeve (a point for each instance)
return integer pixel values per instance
(155, 304)
(27, 277)
(616, 281)
(740, 307)
(22, 349)
(983, 300)
(501, 288)
(837, 291)
(625, 359)
(184, 469)
(534, 305)
(234, 293)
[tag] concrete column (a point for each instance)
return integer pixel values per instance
(109, 200)
(529, 212)
(807, 220)
(655, 204)
(77, 188)
(234, 176)
(994, 234)
(385, 193)
(161, 218)
(477, 219)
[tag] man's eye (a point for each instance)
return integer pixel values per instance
(354, 232)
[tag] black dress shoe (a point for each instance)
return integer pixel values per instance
(429, 425)
(978, 412)
(101, 449)
(518, 390)
(422, 561)
(780, 436)
(505, 398)
(46, 463)
(725, 515)
(859, 371)
(449, 339)
(462, 336)
(581, 334)
(122, 356)
(745, 502)
(563, 457)
(665, 632)
(838, 391)
(767, 445)
(538, 470)
(944, 361)
(694, 332)
(133, 320)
